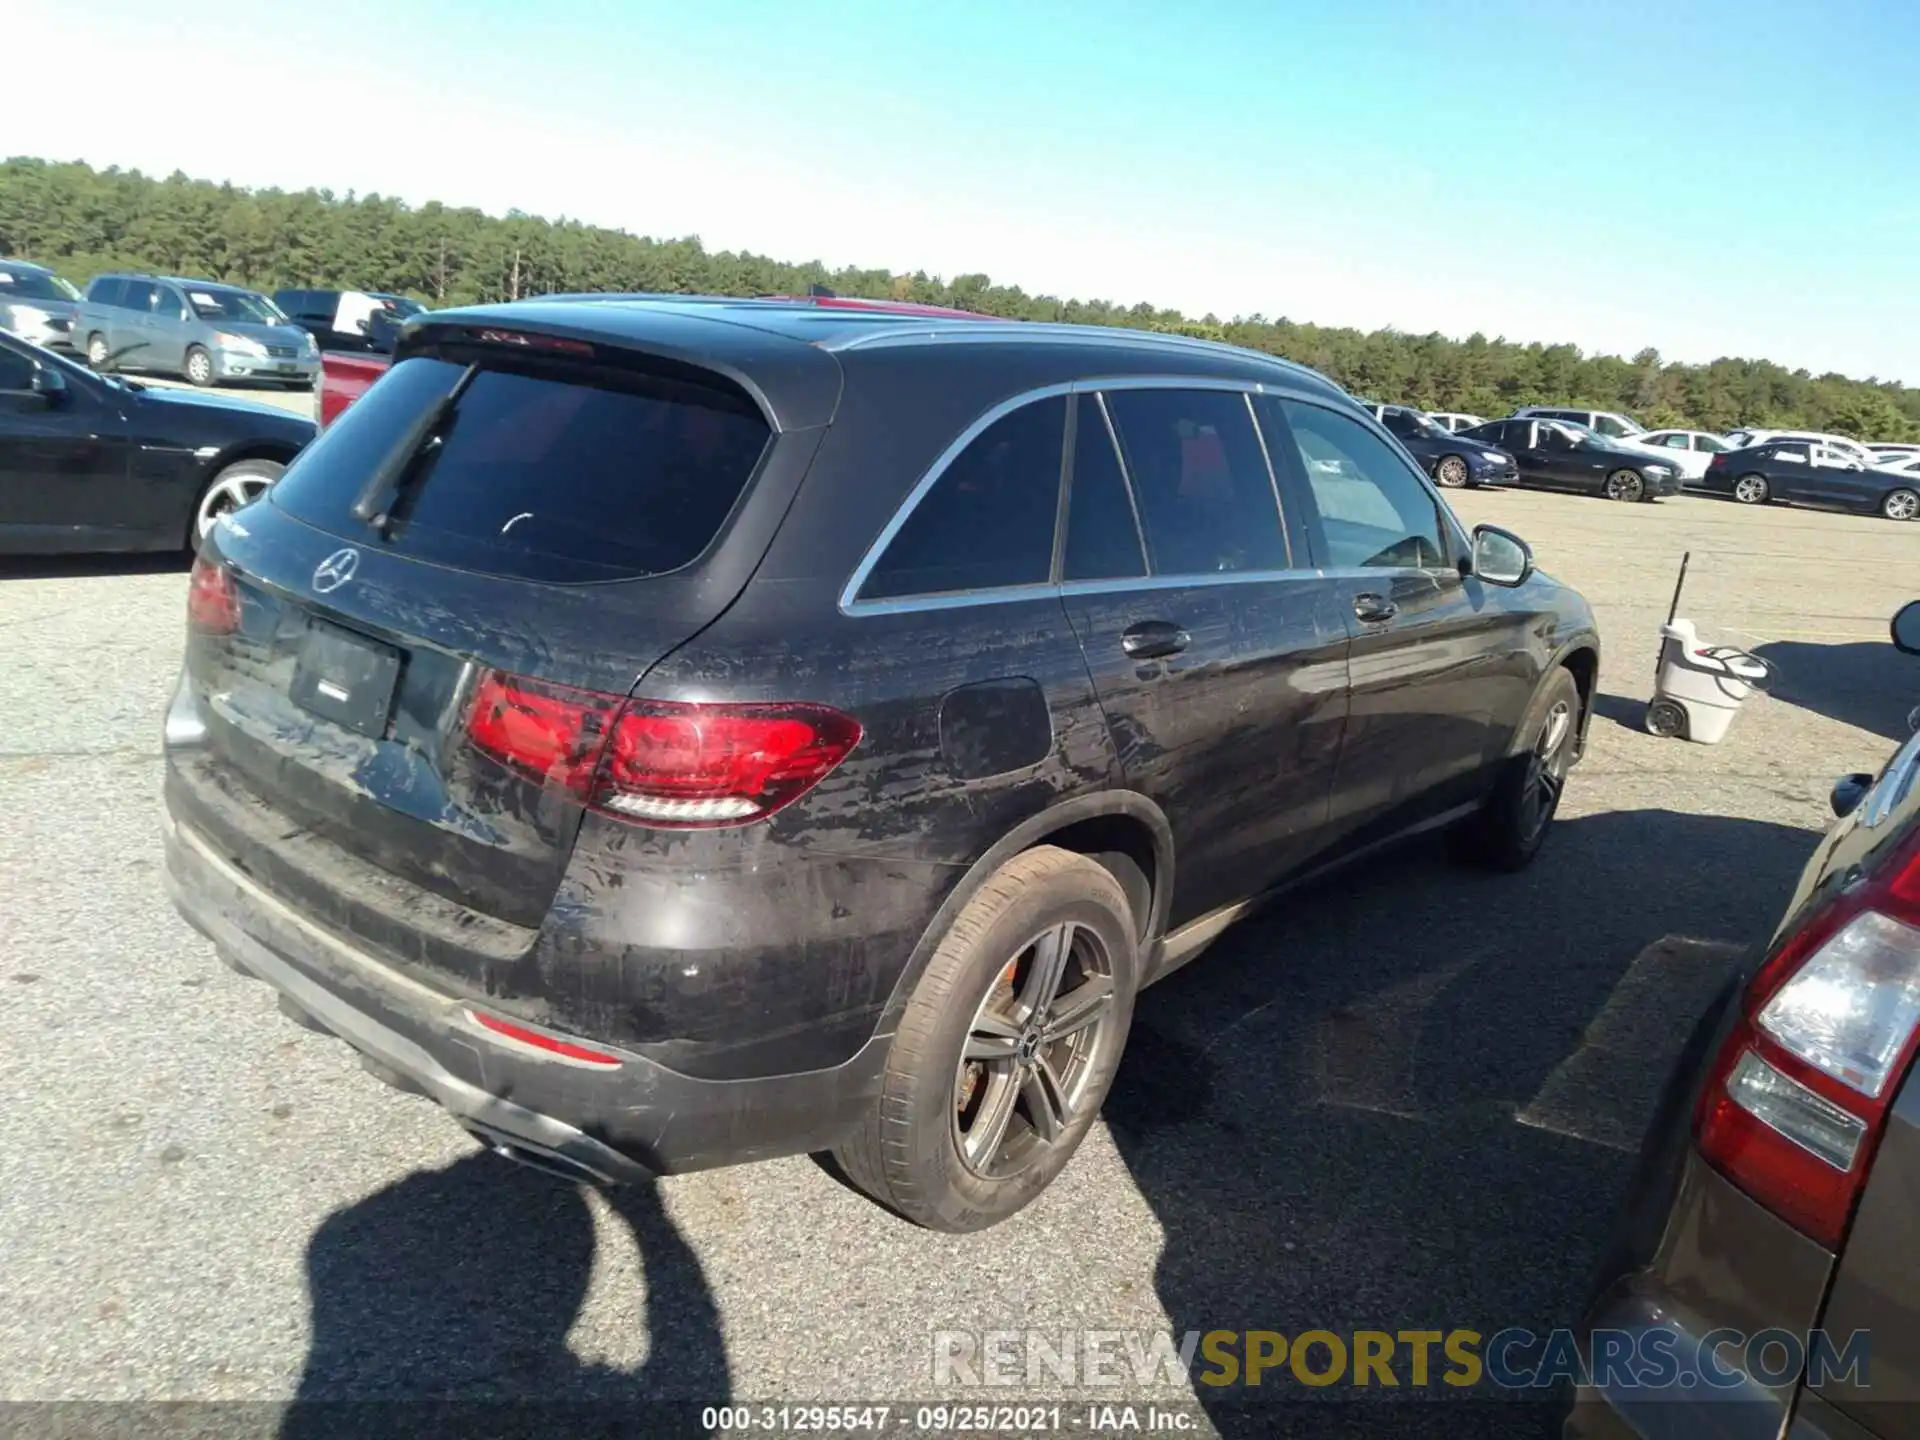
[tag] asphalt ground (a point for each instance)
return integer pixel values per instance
(1405, 1099)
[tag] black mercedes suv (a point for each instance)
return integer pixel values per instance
(671, 732)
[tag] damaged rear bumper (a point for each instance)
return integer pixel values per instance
(604, 1123)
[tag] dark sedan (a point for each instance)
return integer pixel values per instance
(91, 463)
(1807, 472)
(1766, 1274)
(1452, 460)
(1557, 455)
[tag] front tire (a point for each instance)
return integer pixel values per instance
(1452, 472)
(1509, 832)
(1626, 485)
(199, 366)
(1901, 505)
(1007, 1047)
(97, 351)
(1751, 490)
(238, 484)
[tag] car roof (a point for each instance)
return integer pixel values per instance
(760, 343)
(26, 265)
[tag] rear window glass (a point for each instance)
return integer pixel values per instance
(590, 475)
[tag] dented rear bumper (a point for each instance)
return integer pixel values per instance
(606, 1123)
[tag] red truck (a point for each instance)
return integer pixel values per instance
(345, 375)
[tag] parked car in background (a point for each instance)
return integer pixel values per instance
(1559, 455)
(1691, 450)
(1455, 420)
(200, 330)
(1899, 465)
(356, 320)
(1610, 423)
(940, 684)
(1452, 460)
(1746, 439)
(1883, 451)
(1816, 474)
(1775, 1193)
(37, 305)
(93, 462)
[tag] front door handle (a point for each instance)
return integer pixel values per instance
(1152, 639)
(1373, 607)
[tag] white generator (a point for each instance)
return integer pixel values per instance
(1697, 688)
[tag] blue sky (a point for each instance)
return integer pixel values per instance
(1708, 178)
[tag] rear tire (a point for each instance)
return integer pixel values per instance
(1509, 832)
(1751, 490)
(1901, 505)
(995, 1075)
(199, 369)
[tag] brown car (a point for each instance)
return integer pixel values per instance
(1766, 1280)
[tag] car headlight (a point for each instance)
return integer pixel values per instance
(245, 344)
(308, 345)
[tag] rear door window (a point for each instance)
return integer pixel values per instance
(987, 523)
(1206, 497)
(545, 472)
(1103, 530)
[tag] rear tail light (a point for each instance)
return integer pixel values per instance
(1719, 461)
(213, 604)
(660, 763)
(1800, 1092)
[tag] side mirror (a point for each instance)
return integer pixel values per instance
(1906, 628)
(1500, 557)
(1848, 791)
(49, 384)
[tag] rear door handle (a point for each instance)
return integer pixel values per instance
(1151, 639)
(1373, 607)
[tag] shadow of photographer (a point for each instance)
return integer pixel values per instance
(443, 1303)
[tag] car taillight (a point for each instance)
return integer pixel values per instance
(662, 763)
(213, 605)
(1719, 461)
(1800, 1091)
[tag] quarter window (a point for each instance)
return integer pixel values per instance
(988, 521)
(1374, 511)
(1103, 536)
(1204, 491)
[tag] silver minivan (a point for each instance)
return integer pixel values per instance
(199, 329)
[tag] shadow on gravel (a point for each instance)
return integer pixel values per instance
(1410, 1099)
(1867, 684)
(87, 567)
(442, 1304)
(1621, 709)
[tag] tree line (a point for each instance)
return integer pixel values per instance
(81, 221)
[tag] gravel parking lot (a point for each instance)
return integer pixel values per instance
(1405, 1100)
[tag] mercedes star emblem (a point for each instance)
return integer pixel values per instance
(334, 571)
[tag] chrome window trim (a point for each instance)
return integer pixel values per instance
(850, 605)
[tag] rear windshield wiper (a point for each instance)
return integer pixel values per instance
(374, 504)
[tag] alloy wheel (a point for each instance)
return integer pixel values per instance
(1031, 1050)
(199, 367)
(1750, 489)
(225, 495)
(97, 351)
(1624, 485)
(1901, 505)
(1452, 472)
(1547, 770)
